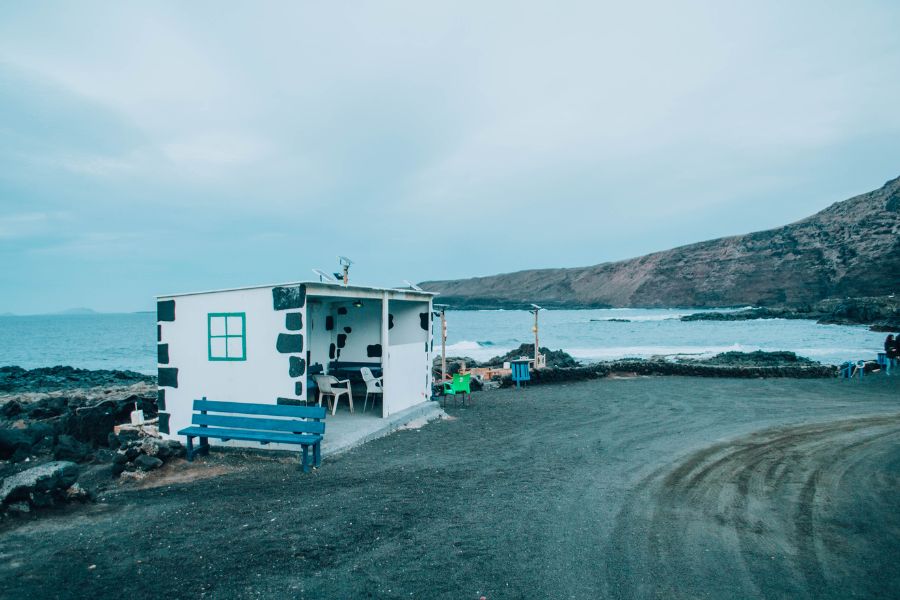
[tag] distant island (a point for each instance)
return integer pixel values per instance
(849, 250)
(77, 311)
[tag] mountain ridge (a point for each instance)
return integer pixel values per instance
(849, 249)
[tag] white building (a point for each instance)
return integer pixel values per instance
(263, 344)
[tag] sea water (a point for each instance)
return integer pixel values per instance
(128, 341)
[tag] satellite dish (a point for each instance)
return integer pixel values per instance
(536, 307)
(345, 261)
(324, 277)
(412, 285)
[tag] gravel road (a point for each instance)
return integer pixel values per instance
(660, 487)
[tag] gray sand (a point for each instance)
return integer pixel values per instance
(621, 488)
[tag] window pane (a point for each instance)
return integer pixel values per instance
(235, 347)
(217, 326)
(217, 347)
(235, 326)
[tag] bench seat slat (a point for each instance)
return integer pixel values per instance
(288, 425)
(271, 410)
(255, 436)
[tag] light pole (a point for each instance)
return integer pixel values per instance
(537, 351)
(442, 308)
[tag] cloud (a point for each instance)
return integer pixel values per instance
(29, 225)
(211, 150)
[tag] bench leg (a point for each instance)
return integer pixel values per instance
(305, 463)
(204, 446)
(190, 448)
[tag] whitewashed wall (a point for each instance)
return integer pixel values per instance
(407, 378)
(262, 378)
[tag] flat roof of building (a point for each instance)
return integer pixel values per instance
(317, 287)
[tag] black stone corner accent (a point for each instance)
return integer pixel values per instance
(289, 343)
(298, 388)
(285, 298)
(167, 377)
(159, 333)
(373, 351)
(390, 321)
(348, 329)
(293, 321)
(162, 354)
(164, 422)
(341, 340)
(332, 351)
(342, 310)
(290, 401)
(329, 323)
(423, 320)
(165, 310)
(298, 366)
(160, 399)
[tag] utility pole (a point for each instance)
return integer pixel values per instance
(442, 308)
(537, 347)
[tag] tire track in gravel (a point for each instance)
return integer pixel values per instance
(753, 517)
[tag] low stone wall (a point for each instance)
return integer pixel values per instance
(601, 370)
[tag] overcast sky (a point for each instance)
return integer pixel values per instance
(148, 148)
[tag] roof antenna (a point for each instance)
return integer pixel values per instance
(412, 285)
(345, 263)
(324, 277)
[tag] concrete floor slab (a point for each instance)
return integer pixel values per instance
(345, 431)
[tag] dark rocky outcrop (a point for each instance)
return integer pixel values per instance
(39, 486)
(883, 313)
(850, 249)
(17, 379)
(555, 358)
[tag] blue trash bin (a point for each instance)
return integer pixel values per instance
(520, 371)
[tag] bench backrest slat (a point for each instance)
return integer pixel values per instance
(269, 410)
(260, 424)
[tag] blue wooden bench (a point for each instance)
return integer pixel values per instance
(302, 425)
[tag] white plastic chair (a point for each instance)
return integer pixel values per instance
(329, 385)
(373, 385)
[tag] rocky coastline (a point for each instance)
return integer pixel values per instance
(879, 313)
(65, 435)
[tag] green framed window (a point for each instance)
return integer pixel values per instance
(227, 336)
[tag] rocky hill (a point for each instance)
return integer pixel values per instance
(850, 249)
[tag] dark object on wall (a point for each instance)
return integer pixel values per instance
(284, 298)
(423, 320)
(165, 310)
(298, 367)
(162, 354)
(289, 343)
(163, 422)
(289, 401)
(373, 351)
(390, 321)
(341, 340)
(161, 399)
(347, 329)
(298, 388)
(167, 377)
(329, 323)
(293, 321)
(342, 310)
(331, 351)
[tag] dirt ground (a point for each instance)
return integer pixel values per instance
(627, 488)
